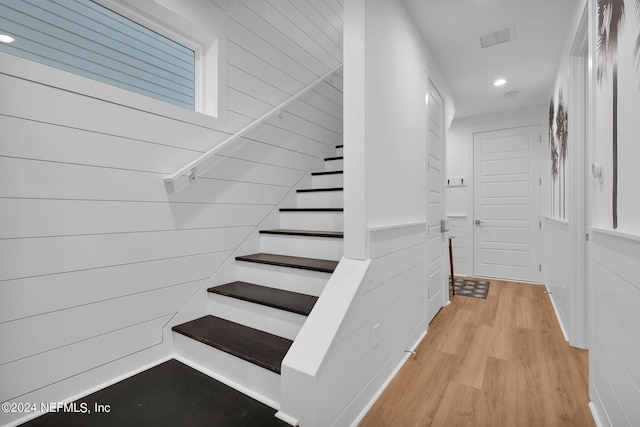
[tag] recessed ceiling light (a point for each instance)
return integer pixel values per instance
(6, 38)
(499, 82)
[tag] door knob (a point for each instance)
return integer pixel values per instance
(479, 222)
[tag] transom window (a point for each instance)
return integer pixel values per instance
(88, 39)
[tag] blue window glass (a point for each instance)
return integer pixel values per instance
(85, 38)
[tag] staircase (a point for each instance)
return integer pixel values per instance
(255, 319)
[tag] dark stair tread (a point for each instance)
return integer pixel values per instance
(309, 233)
(334, 158)
(317, 190)
(258, 347)
(326, 173)
(277, 298)
(314, 264)
(311, 209)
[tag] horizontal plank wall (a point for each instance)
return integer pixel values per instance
(614, 248)
(97, 257)
(461, 245)
(615, 374)
(392, 302)
(559, 278)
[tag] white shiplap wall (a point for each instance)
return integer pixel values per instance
(558, 259)
(394, 298)
(614, 254)
(96, 257)
(615, 347)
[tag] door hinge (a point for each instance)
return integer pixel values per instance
(586, 237)
(540, 138)
(540, 225)
(540, 182)
(540, 267)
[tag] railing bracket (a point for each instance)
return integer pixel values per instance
(192, 175)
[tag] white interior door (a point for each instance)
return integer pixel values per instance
(506, 204)
(437, 280)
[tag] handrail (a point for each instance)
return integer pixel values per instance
(191, 167)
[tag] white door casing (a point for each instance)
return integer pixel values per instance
(437, 273)
(507, 204)
(578, 210)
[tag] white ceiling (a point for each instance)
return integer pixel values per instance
(529, 62)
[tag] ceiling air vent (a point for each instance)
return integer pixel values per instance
(496, 37)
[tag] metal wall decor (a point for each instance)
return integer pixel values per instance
(562, 136)
(553, 149)
(636, 49)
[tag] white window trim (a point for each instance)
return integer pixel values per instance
(199, 26)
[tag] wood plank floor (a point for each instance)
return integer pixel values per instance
(497, 362)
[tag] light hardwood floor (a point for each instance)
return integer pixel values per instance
(497, 362)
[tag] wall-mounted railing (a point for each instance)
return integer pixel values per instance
(204, 162)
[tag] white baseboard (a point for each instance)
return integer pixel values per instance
(594, 414)
(382, 388)
(287, 418)
(558, 317)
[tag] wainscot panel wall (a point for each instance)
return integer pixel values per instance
(614, 247)
(557, 262)
(97, 256)
(615, 287)
(393, 301)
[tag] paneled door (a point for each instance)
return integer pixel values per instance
(507, 204)
(437, 274)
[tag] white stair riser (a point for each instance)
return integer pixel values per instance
(290, 279)
(231, 370)
(257, 316)
(327, 181)
(320, 199)
(305, 246)
(316, 221)
(333, 165)
(339, 151)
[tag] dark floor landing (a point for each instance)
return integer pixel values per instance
(170, 394)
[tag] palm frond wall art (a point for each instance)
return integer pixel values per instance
(610, 22)
(636, 49)
(562, 136)
(553, 149)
